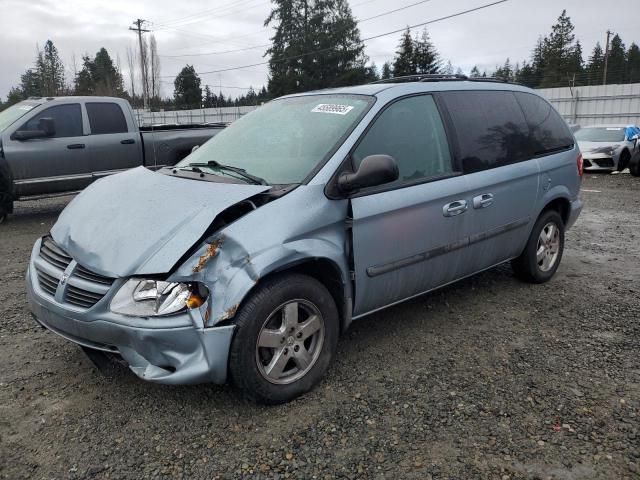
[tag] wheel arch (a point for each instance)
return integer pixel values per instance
(322, 269)
(562, 205)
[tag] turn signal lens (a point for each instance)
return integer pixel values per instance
(194, 301)
(580, 164)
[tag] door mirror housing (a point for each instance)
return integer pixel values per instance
(373, 171)
(46, 128)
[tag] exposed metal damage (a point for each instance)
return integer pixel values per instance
(211, 252)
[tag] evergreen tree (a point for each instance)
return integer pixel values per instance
(386, 71)
(616, 65)
(30, 84)
(562, 57)
(595, 66)
(50, 70)
(527, 75)
(475, 72)
(316, 44)
(425, 56)
(505, 72)
(187, 92)
(403, 61)
(209, 100)
(99, 76)
(633, 64)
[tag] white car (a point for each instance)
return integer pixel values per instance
(607, 147)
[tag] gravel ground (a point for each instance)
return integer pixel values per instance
(489, 378)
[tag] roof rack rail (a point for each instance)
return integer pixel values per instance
(422, 77)
(438, 77)
(489, 79)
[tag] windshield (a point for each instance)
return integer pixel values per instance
(600, 134)
(13, 113)
(284, 140)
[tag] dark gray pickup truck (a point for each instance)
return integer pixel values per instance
(54, 145)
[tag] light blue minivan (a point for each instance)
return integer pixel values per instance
(247, 260)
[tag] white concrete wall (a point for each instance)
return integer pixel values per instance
(582, 105)
(597, 103)
(203, 115)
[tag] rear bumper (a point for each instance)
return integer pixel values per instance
(574, 212)
(179, 355)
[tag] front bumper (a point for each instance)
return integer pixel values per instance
(600, 162)
(174, 352)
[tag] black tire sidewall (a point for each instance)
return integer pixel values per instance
(536, 274)
(261, 303)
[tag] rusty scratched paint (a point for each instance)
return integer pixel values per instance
(211, 252)
(230, 312)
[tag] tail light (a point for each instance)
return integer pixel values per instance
(580, 165)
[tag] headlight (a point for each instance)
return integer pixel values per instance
(153, 298)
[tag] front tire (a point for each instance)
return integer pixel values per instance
(286, 337)
(541, 257)
(623, 161)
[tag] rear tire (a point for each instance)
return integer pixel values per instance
(543, 253)
(286, 336)
(634, 165)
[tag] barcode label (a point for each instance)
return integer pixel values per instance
(332, 108)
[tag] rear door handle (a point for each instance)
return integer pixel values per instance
(483, 201)
(454, 208)
(75, 146)
(127, 141)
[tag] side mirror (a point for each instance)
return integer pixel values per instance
(46, 128)
(374, 170)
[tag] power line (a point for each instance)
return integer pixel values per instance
(253, 47)
(457, 14)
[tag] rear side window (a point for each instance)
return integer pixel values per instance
(549, 132)
(68, 120)
(490, 128)
(411, 131)
(106, 118)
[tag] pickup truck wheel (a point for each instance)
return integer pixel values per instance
(286, 337)
(541, 257)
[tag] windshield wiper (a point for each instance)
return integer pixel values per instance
(240, 171)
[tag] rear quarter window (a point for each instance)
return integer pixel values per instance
(491, 129)
(549, 132)
(105, 118)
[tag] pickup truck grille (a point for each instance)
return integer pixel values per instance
(83, 288)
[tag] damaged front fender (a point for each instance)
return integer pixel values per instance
(264, 241)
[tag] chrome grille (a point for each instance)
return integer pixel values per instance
(83, 288)
(53, 254)
(48, 283)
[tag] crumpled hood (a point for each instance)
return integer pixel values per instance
(141, 222)
(597, 147)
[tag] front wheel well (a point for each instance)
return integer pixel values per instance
(321, 269)
(327, 273)
(560, 205)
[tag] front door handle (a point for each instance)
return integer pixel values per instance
(454, 208)
(127, 141)
(75, 146)
(483, 201)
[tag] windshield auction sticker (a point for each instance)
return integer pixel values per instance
(332, 108)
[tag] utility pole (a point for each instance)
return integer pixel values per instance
(143, 61)
(606, 59)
